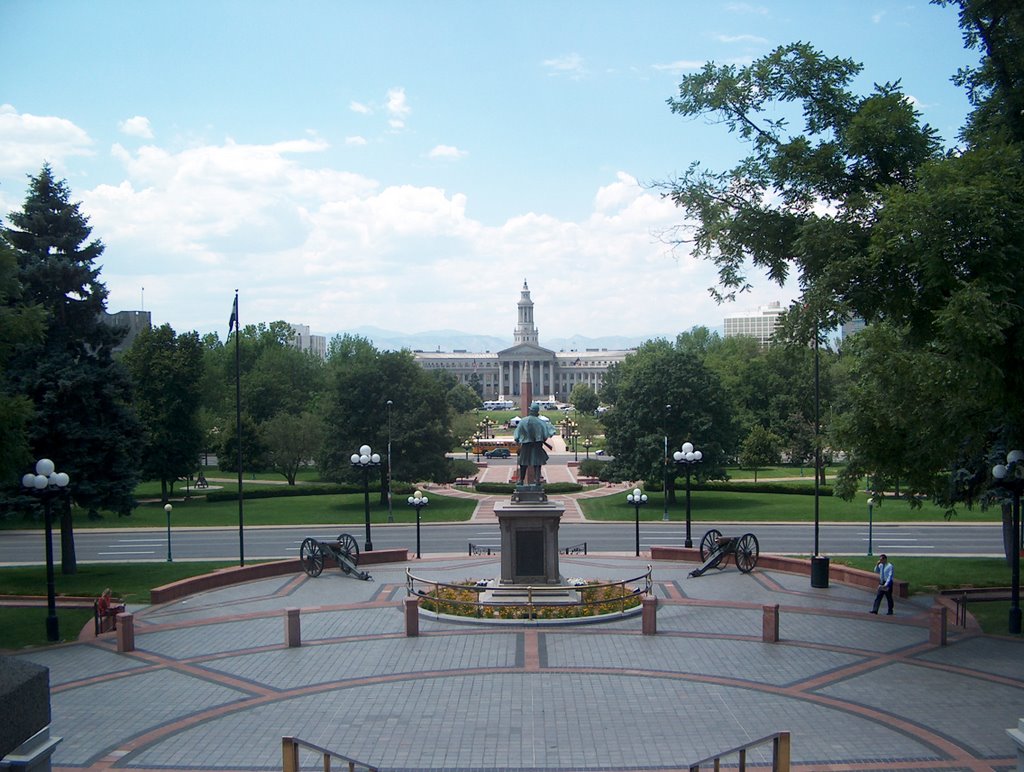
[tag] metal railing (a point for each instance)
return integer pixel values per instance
(290, 747)
(483, 549)
(535, 597)
(780, 754)
(575, 549)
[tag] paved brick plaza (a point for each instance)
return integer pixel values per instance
(212, 685)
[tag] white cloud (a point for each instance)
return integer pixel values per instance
(355, 140)
(877, 17)
(28, 141)
(137, 126)
(570, 64)
(682, 65)
(754, 39)
(359, 107)
(397, 107)
(758, 10)
(446, 151)
(314, 244)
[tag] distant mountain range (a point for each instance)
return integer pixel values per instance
(455, 340)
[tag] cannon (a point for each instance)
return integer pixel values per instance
(716, 549)
(344, 552)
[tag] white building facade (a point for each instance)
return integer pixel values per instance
(552, 374)
(303, 340)
(758, 324)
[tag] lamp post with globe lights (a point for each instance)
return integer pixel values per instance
(587, 442)
(871, 512)
(418, 500)
(686, 458)
(366, 460)
(168, 508)
(47, 483)
(1011, 477)
(637, 498)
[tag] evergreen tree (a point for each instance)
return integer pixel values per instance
(84, 419)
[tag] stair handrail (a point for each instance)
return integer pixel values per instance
(290, 747)
(780, 753)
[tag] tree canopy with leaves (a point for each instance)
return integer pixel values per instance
(861, 202)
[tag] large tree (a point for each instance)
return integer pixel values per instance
(84, 419)
(876, 221)
(361, 382)
(662, 390)
(166, 370)
(18, 323)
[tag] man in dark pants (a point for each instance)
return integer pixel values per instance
(885, 573)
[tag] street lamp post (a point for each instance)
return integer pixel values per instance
(366, 460)
(168, 508)
(637, 498)
(48, 483)
(664, 467)
(1011, 476)
(418, 500)
(476, 446)
(686, 458)
(467, 446)
(575, 446)
(391, 516)
(871, 510)
(587, 442)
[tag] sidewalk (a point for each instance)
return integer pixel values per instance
(212, 685)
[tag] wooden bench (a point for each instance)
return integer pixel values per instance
(466, 482)
(588, 480)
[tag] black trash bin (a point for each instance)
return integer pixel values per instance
(819, 571)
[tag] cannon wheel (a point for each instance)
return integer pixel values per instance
(747, 551)
(708, 543)
(348, 547)
(312, 556)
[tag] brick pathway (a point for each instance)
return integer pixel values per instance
(212, 686)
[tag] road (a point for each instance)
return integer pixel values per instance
(136, 544)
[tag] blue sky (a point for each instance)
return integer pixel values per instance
(407, 164)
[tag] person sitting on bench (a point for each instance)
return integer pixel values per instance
(105, 610)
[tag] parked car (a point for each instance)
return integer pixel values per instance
(498, 453)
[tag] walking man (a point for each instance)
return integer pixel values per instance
(885, 573)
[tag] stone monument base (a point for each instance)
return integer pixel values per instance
(529, 541)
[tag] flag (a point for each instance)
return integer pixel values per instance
(233, 321)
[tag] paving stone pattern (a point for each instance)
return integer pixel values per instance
(212, 685)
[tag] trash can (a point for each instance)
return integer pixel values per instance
(819, 571)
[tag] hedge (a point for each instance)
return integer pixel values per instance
(285, 491)
(793, 489)
(562, 487)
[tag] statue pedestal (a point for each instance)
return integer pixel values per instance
(529, 541)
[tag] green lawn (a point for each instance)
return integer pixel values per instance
(720, 505)
(131, 582)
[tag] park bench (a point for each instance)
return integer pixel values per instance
(466, 482)
(588, 480)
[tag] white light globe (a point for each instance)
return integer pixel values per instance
(28, 480)
(677, 456)
(1014, 456)
(411, 499)
(365, 450)
(697, 455)
(41, 482)
(636, 492)
(354, 458)
(643, 498)
(364, 459)
(999, 471)
(61, 479)
(687, 447)
(426, 500)
(45, 467)
(168, 508)
(375, 458)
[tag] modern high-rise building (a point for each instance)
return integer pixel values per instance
(758, 324)
(552, 374)
(133, 322)
(303, 340)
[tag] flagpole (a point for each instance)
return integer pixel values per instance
(238, 427)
